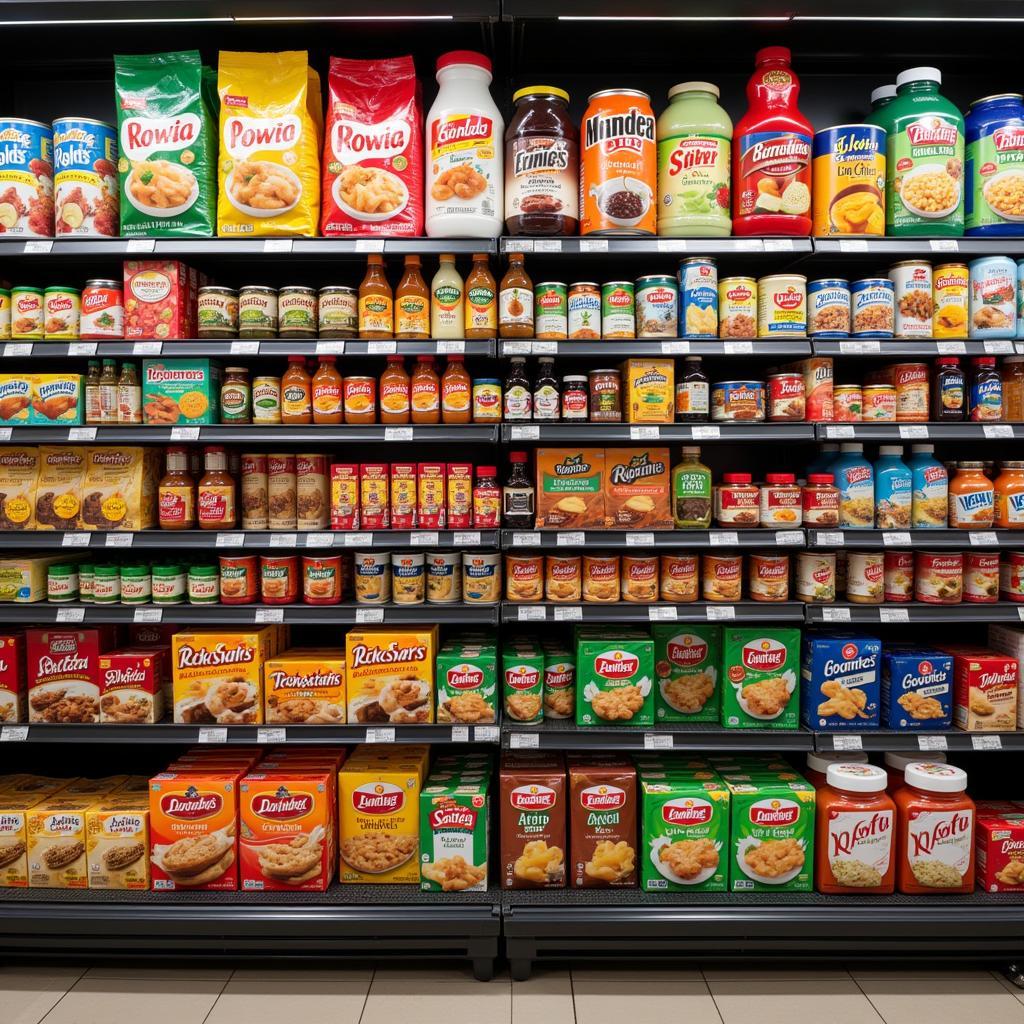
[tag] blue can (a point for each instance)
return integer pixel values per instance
(87, 194)
(994, 192)
(993, 301)
(698, 298)
(873, 308)
(26, 178)
(828, 308)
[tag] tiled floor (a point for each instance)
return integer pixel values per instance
(362, 995)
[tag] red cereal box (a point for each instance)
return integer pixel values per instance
(374, 501)
(344, 496)
(999, 849)
(160, 298)
(984, 689)
(431, 491)
(62, 667)
(403, 496)
(130, 686)
(460, 495)
(12, 677)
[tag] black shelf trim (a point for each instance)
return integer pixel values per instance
(667, 347)
(254, 434)
(565, 433)
(704, 540)
(696, 611)
(268, 348)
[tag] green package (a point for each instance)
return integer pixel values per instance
(168, 146)
(614, 678)
(522, 671)
(467, 676)
(687, 661)
(453, 831)
(180, 391)
(760, 679)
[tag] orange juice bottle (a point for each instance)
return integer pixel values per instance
(296, 392)
(456, 392)
(394, 392)
(376, 302)
(412, 303)
(425, 392)
(327, 397)
(1009, 496)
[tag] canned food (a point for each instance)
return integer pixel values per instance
(550, 310)
(737, 307)
(848, 182)
(680, 579)
(981, 577)
(912, 293)
(939, 577)
(217, 312)
(639, 578)
(898, 576)
(911, 383)
(408, 577)
(584, 311)
(1011, 576)
(524, 578)
(481, 577)
(768, 577)
(254, 489)
(85, 158)
(737, 400)
(102, 311)
(657, 307)
(818, 375)
(257, 312)
(605, 396)
(993, 302)
(782, 306)
(238, 579)
(169, 584)
(601, 578)
(951, 289)
(618, 315)
(865, 577)
(444, 577)
(279, 579)
(815, 577)
(828, 308)
(872, 308)
(204, 585)
(321, 579)
(338, 312)
(61, 313)
(26, 313)
(266, 400)
(372, 577)
(281, 491)
(563, 578)
(296, 312)
(698, 298)
(486, 400)
(5, 314)
(722, 577)
(878, 403)
(26, 168)
(786, 396)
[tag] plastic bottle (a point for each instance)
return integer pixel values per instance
(93, 414)
(412, 303)
(296, 392)
(1009, 496)
(108, 392)
(393, 389)
(456, 392)
(326, 392)
(822, 463)
(893, 489)
(447, 301)
(691, 492)
(481, 307)
(515, 300)
(376, 301)
(425, 391)
(881, 98)
(855, 478)
(993, 128)
(929, 489)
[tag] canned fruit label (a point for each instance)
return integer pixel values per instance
(698, 293)
(26, 174)
(951, 299)
(782, 306)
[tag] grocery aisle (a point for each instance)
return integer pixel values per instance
(603, 995)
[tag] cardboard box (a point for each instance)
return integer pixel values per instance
(42, 399)
(180, 392)
(570, 488)
(840, 687)
(12, 677)
(687, 662)
(305, 685)
(56, 843)
(117, 842)
(14, 808)
(999, 849)
(160, 300)
(62, 666)
(760, 682)
(390, 674)
(522, 671)
(454, 831)
(533, 820)
(59, 487)
(917, 688)
(614, 678)
(1010, 640)
(559, 683)
(467, 683)
(649, 390)
(119, 491)
(984, 689)
(130, 687)
(602, 822)
(637, 488)
(19, 474)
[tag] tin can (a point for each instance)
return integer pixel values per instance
(86, 191)
(898, 577)
(657, 306)
(584, 311)
(26, 313)
(487, 400)
(239, 579)
(939, 577)
(782, 306)
(816, 577)
(266, 400)
(601, 578)
(279, 579)
(878, 403)
(951, 293)
(911, 383)
(136, 584)
(408, 577)
(698, 298)
(5, 314)
(605, 387)
(865, 577)
(169, 584)
(524, 578)
(1011, 576)
(981, 577)
(1020, 301)
(680, 578)
(338, 311)
(372, 572)
(872, 308)
(257, 312)
(550, 310)
(828, 308)
(737, 400)
(768, 577)
(618, 312)
(481, 577)
(217, 312)
(296, 312)
(61, 313)
(102, 311)
(204, 585)
(737, 307)
(993, 302)
(912, 294)
(254, 491)
(62, 584)
(26, 170)
(563, 578)
(638, 579)
(847, 403)
(321, 579)
(722, 577)
(282, 486)
(786, 396)
(444, 577)
(848, 182)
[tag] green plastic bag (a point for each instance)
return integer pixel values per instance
(168, 146)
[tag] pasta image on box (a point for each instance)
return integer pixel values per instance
(454, 825)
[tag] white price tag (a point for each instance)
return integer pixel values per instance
(944, 245)
(723, 538)
(141, 245)
(778, 245)
(271, 736)
(518, 432)
(994, 431)
(835, 614)
(6, 433)
(18, 349)
(525, 540)
(119, 540)
(14, 734)
(381, 348)
(82, 434)
(285, 245)
(319, 540)
(657, 741)
(847, 743)
(515, 348)
(932, 743)
(748, 244)
(264, 615)
(466, 539)
(739, 348)
(518, 245)
(380, 735)
(147, 348)
(568, 613)
(357, 540)
(788, 538)
(218, 734)
(398, 433)
(486, 733)
(893, 615)
(70, 615)
(330, 347)
(369, 615)
(987, 742)
(230, 540)
(524, 740)
(40, 247)
(547, 245)
(423, 538)
(895, 539)
(532, 613)
(460, 734)
(950, 348)
(671, 245)
(838, 433)
(593, 245)
(75, 540)
(544, 348)
(369, 245)
(148, 615)
(644, 433)
(1020, 612)
(720, 612)
(830, 539)
(184, 433)
(675, 348)
(982, 538)
(245, 348)
(997, 347)
(450, 348)
(570, 538)
(853, 245)
(639, 540)
(858, 348)
(667, 614)
(82, 348)
(283, 540)
(913, 431)
(702, 433)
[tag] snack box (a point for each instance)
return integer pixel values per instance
(130, 687)
(570, 488)
(637, 485)
(614, 678)
(42, 399)
(533, 826)
(305, 685)
(454, 831)
(179, 392)
(160, 300)
(56, 843)
(602, 821)
(117, 842)
(62, 666)
(120, 488)
(984, 689)
(58, 501)
(840, 686)
(687, 666)
(12, 677)
(1009, 640)
(23, 577)
(760, 679)
(999, 848)
(917, 688)
(19, 475)
(467, 682)
(390, 674)
(14, 810)
(648, 387)
(93, 787)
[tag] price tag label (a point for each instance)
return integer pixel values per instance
(245, 348)
(987, 742)
(230, 540)
(75, 540)
(39, 248)
(271, 735)
(913, 431)
(423, 538)
(532, 613)
(6, 433)
(932, 743)
(895, 539)
(847, 743)
(835, 614)
(14, 734)
(675, 348)
(644, 433)
(285, 245)
(570, 538)
(70, 615)
(998, 347)
(545, 348)
(859, 348)
(853, 245)
(218, 734)
(381, 348)
(460, 734)
(655, 614)
(82, 348)
(593, 245)
(838, 433)
(515, 348)
(119, 540)
(568, 613)
(329, 347)
(147, 348)
(283, 540)
(830, 539)
(524, 741)
(671, 245)
(982, 538)
(639, 540)
(525, 540)
(486, 733)
(709, 433)
(518, 245)
(369, 245)
(148, 615)
(950, 348)
(18, 349)
(944, 245)
(398, 433)
(141, 245)
(720, 612)
(319, 540)
(658, 741)
(518, 432)
(788, 538)
(357, 540)
(184, 433)
(264, 615)
(451, 348)
(748, 244)
(82, 434)
(993, 431)
(1020, 612)
(893, 615)
(778, 245)
(723, 538)
(380, 735)
(369, 615)
(739, 348)
(466, 539)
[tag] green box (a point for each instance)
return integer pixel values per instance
(454, 824)
(685, 832)
(180, 391)
(467, 683)
(687, 662)
(559, 682)
(522, 673)
(760, 666)
(614, 679)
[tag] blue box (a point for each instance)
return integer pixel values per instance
(832, 664)
(926, 673)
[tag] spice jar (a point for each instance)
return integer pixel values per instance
(575, 398)
(62, 584)
(106, 587)
(216, 312)
(820, 501)
(605, 396)
(780, 507)
(737, 501)
(169, 583)
(235, 396)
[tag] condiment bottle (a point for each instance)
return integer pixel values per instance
(447, 301)
(929, 486)
(235, 396)
(1013, 387)
(327, 392)
(456, 392)
(985, 401)
(1009, 496)
(486, 498)
(412, 303)
(517, 495)
(948, 399)
(481, 302)
(425, 391)
(547, 397)
(216, 497)
(575, 397)
(296, 393)
(108, 392)
(691, 492)
(129, 395)
(176, 494)
(395, 391)
(518, 397)
(92, 393)
(971, 498)
(692, 393)
(376, 303)
(515, 308)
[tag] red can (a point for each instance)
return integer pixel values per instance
(786, 396)
(981, 577)
(102, 311)
(321, 579)
(279, 579)
(768, 577)
(1011, 576)
(238, 576)
(939, 577)
(899, 577)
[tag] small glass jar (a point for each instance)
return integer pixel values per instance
(236, 396)
(266, 400)
(257, 312)
(203, 584)
(338, 312)
(575, 398)
(820, 501)
(136, 584)
(106, 588)
(62, 584)
(169, 584)
(737, 501)
(217, 312)
(296, 312)
(487, 400)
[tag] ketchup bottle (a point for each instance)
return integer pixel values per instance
(772, 153)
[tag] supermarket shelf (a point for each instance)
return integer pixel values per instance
(698, 611)
(563, 734)
(561, 433)
(252, 540)
(903, 347)
(269, 348)
(259, 248)
(549, 540)
(246, 433)
(646, 246)
(926, 742)
(251, 614)
(936, 247)
(872, 540)
(619, 925)
(655, 347)
(919, 431)
(348, 920)
(913, 612)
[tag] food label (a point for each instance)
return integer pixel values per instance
(465, 157)
(760, 669)
(516, 307)
(775, 173)
(86, 192)
(686, 663)
(541, 177)
(939, 845)
(859, 845)
(693, 179)
(924, 172)
(614, 682)
(995, 175)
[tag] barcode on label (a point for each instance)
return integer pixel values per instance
(330, 347)
(788, 538)
(997, 430)
(460, 734)
(358, 540)
(893, 615)
(944, 245)
(451, 348)
(246, 348)
(859, 347)
(369, 615)
(910, 431)
(486, 734)
(675, 348)
(24, 349)
(39, 247)
(269, 615)
(525, 540)
(398, 433)
(717, 613)
(998, 348)
(847, 743)
(230, 540)
(82, 348)
(75, 540)
(427, 538)
(593, 245)
(950, 348)
(644, 433)
(835, 614)
(147, 348)
(738, 348)
(319, 540)
(839, 432)
(830, 539)
(380, 348)
(639, 540)
(119, 540)
(518, 433)
(184, 433)
(669, 614)
(82, 434)
(515, 348)
(70, 614)
(467, 539)
(545, 348)
(283, 540)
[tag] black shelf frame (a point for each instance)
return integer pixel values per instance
(663, 540)
(625, 612)
(872, 540)
(874, 432)
(841, 612)
(631, 433)
(667, 347)
(265, 348)
(920, 349)
(247, 433)
(254, 248)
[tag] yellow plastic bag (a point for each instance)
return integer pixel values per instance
(271, 123)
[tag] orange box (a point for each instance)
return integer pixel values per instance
(570, 488)
(431, 491)
(117, 842)
(648, 390)
(14, 838)
(344, 497)
(287, 819)
(56, 843)
(305, 685)
(636, 486)
(403, 495)
(389, 674)
(374, 503)
(193, 826)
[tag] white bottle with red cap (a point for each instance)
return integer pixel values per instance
(464, 151)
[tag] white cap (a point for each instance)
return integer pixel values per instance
(935, 777)
(830, 446)
(819, 762)
(900, 761)
(853, 446)
(890, 449)
(918, 75)
(856, 778)
(928, 449)
(883, 92)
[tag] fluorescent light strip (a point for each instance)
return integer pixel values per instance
(669, 17)
(117, 21)
(353, 17)
(901, 18)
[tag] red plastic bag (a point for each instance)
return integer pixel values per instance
(373, 150)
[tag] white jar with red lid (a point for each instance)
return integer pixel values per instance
(781, 502)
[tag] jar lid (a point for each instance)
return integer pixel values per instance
(900, 761)
(61, 288)
(493, 381)
(135, 571)
(107, 570)
(779, 478)
(236, 369)
(890, 449)
(935, 777)
(736, 478)
(856, 777)
(167, 570)
(919, 75)
(540, 90)
(574, 379)
(682, 87)
(819, 761)
(60, 570)
(203, 570)
(883, 92)
(853, 447)
(820, 478)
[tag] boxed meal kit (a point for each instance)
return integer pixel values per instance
(637, 482)
(984, 689)
(130, 686)
(760, 678)
(467, 682)
(59, 487)
(117, 842)
(56, 830)
(570, 488)
(160, 300)
(687, 663)
(14, 810)
(648, 388)
(42, 399)
(840, 686)
(559, 681)
(533, 822)
(614, 677)
(454, 827)
(917, 688)
(390, 674)
(522, 671)
(1009, 640)
(19, 474)
(119, 491)
(999, 848)
(180, 392)
(62, 668)
(305, 685)
(602, 821)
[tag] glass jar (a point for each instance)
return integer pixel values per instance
(136, 584)
(235, 396)
(217, 312)
(203, 584)
(296, 312)
(257, 312)
(169, 583)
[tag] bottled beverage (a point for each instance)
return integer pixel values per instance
(376, 302)
(93, 414)
(929, 485)
(108, 392)
(326, 388)
(985, 397)
(692, 393)
(481, 301)
(394, 392)
(518, 394)
(547, 398)
(216, 495)
(691, 492)
(456, 392)
(486, 498)
(129, 395)
(947, 392)
(447, 301)
(412, 303)
(425, 392)
(296, 393)
(515, 307)
(855, 479)
(893, 489)
(517, 506)
(881, 98)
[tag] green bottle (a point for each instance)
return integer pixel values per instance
(881, 98)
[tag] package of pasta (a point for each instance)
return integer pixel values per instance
(168, 143)
(270, 128)
(373, 163)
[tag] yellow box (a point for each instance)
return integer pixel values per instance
(23, 577)
(58, 504)
(648, 390)
(14, 838)
(19, 475)
(95, 788)
(217, 676)
(117, 842)
(56, 843)
(379, 823)
(119, 488)
(305, 685)
(389, 674)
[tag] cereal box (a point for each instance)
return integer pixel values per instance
(685, 839)
(193, 823)
(218, 676)
(999, 849)
(117, 842)
(602, 821)
(344, 496)
(59, 488)
(12, 677)
(1009, 640)
(614, 678)
(287, 830)
(570, 488)
(454, 827)
(522, 670)
(19, 472)
(840, 681)
(390, 674)
(533, 820)
(56, 843)
(130, 688)
(772, 835)
(759, 678)
(467, 682)
(648, 390)
(984, 689)
(120, 487)
(917, 688)
(62, 667)
(160, 300)
(637, 489)
(180, 391)
(14, 810)
(687, 661)
(305, 685)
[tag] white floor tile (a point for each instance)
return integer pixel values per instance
(350, 974)
(277, 1000)
(28, 995)
(640, 1002)
(836, 1000)
(154, 1001)
(483, 1003)
(639, 973)
(545, 998)
(906, 999)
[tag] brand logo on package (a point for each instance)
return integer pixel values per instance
(765, 655)
(352, 141)
(191, 804)
(532, 798)
(603, 798)
(687, 811)
(616, 665)
(774, 813)
(140, 136)
(378, 798)
(282, 805)
(244, 136)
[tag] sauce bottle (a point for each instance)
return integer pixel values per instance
(772, 153)
(456, 392)
(296, 393)
(447, 301)
(486, 498)
(547, 398)
(515, 311)
(129, 395)
(1009, 496)
(216, 497)
(425, 391)
(986, 394)
(176, 495)
(92, 393)
(376, 304)
(395, 392)
(517, 495)
(327, 392)
(518, 396)
(108, 392)
(692, 393)
(691, 492)
(412, 303)
(971, 498)
(481, 304)
(947, 390)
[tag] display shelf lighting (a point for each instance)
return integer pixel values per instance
(284, 18)
(674, 17)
